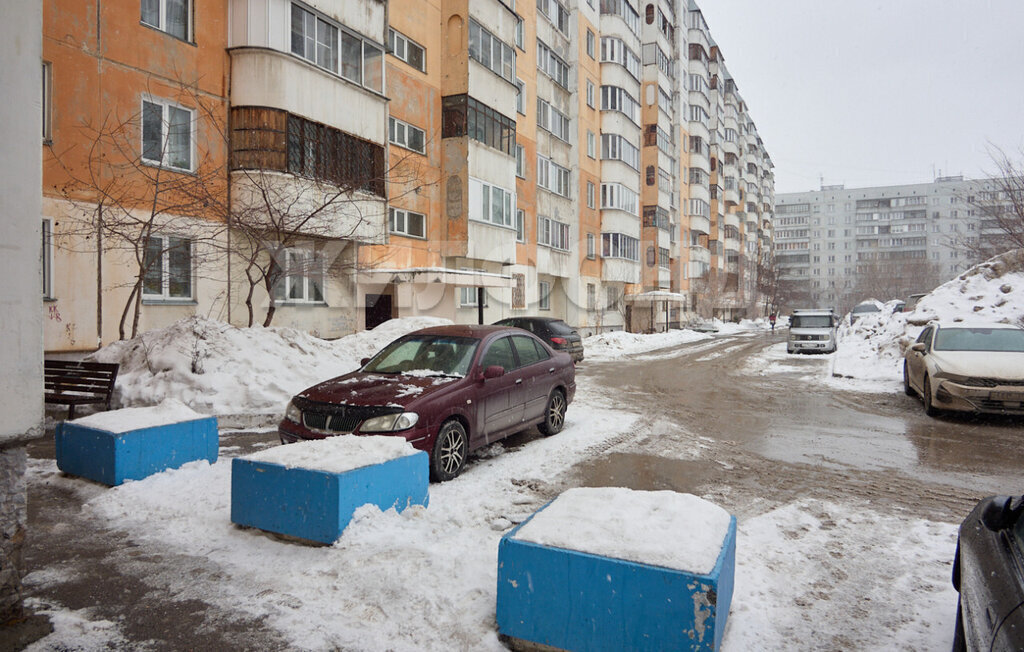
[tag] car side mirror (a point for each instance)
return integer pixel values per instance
(919, 347)
(494, 371)
(362, 363)
(1001, 512)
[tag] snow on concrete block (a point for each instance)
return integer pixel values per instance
(134, 443)
(310, 490)
(617, 569)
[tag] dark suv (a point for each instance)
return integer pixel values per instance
(555, 332)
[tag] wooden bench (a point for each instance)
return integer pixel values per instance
(72, 383)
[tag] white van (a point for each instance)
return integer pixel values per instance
(812, 331)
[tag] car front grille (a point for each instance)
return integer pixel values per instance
(991, 382)
(335, 418)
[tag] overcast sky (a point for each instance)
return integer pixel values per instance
(876, 93)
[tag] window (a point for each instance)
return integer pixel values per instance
(544, 289)
(408, 51)
(519, 33)
(591, 144)
(462, 115)
(491, 53)
(310, 149)
(552, 65)
(327, 45)
(407, 223)
(520, 225)
(167, 134)
(552, 120)
(555, 12)
(614, 98)
(520, 96)
(47, 98)
(618, 196)
(590, 43)
(552, 176)
(490, 203)
(663, 257)
(590, 93)
(615, 50)
(302, 277)
(552, 233)
(47, 259)
(167, 269)
(591, 246)
(615, 147)
(520, 162)
(591, 202)
(405, 135)
(620, 245)
(171, 16)
(623, 10)
(468, 295)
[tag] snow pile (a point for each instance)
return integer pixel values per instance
(620, 344)
(216, 368)
(659, 528)
(872, 348)
(991, 291)
(124, 420)
(336, 454)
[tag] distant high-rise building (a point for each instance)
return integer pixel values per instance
(845, 245)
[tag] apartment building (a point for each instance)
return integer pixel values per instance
(585, 159)
(839, 246)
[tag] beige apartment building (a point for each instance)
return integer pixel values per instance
(331, 164)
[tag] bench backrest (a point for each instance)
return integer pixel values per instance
(68, 376)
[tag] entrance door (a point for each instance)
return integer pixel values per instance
(378, 309)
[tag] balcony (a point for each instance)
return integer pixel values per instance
(700, 224)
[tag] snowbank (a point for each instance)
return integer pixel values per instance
(872, 348)
(216, 368)
(619, 344)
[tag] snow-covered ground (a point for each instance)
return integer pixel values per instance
(425, 579)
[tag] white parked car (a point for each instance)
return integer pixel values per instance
(967, 366)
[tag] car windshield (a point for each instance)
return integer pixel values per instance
(866, 308)
(979, 339)
(810, 321)
(425, 355)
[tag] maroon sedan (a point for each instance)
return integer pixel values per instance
(447, 390)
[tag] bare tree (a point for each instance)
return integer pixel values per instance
(895, 278)
(131, 179)
(768, 280)
(322, 202)
(999, 204)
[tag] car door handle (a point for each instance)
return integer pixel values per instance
(519, 381)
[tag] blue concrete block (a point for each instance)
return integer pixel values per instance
(317, 505)
(579, 601)
(112, 458)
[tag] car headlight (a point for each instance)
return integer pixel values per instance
(292, 413)
(390, 422)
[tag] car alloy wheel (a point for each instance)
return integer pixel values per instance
(907, 389)
(449, 455)
(929, 409)
(554, 414)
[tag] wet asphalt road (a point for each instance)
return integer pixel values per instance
(769, 439)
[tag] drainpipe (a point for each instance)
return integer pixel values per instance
(480, 305)
(99, 276)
